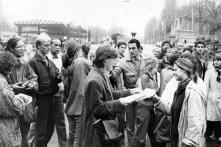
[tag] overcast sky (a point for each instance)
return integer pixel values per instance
(129, 14)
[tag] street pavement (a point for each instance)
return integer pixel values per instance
(54, 140)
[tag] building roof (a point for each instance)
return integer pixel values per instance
(39, 22)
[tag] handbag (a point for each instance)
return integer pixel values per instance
(108, 131)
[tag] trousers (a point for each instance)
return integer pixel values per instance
(45, 120)
(60, 121)
(74, 130)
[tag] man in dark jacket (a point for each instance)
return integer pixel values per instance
(48, 79)
(201, 63)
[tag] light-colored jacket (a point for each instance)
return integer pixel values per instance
(192, 122)
(213, 95)
(167, 96)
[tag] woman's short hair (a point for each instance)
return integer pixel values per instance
(7, 61)
(11, 43)
(102, 53)
(148, 64)
(217, 58)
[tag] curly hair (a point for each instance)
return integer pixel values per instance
(7, 61)
(148, 64)
(166, 42)
(135, 41)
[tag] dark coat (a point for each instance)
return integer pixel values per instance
(79, 70)
(47, 75)
(99, 102)
(200, 67)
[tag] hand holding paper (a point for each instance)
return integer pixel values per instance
(135, 90)
(132, 98)
(22, 99)
(149, 92)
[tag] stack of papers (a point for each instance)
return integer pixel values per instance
(147, 93)
(23, 99)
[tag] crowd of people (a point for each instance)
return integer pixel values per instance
(97, 91)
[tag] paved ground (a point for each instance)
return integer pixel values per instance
(54, 142)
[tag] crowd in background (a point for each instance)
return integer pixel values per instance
(93, 88)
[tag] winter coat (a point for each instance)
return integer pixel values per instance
(79, 70)
(213, 95)
(192, 121)
(10, 135)
(99, 102)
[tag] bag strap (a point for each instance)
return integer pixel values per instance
(160, 123)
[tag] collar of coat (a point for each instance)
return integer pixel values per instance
(182, 85)
(106, 79)
(40, 58)
(195, 87)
